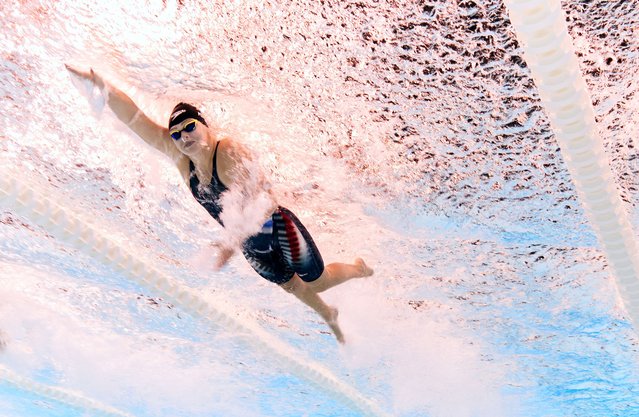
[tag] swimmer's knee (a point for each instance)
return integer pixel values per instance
(316, 283)
(288, 288)
(292, 285)
(319, 279)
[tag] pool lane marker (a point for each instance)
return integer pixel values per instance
(27, 199)
(542, 32)
(64, 396)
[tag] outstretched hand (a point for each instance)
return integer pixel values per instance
(224, 253)
(89, 75)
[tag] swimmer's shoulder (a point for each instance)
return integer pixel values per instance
(233, 149)
(230, 152)
(231, 159)
(225, 145)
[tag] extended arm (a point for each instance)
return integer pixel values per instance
(131, 115)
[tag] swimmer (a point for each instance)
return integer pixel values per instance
(221, 170)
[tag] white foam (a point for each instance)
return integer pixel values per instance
(419, 356)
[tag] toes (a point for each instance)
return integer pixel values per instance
(366, 271)
(332, 315)
(332, 323)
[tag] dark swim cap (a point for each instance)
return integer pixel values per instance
(184, 111)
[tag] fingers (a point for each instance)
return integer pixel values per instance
(221, 261)
(90, 75)
(219, 264)
(224, 253)
(76, 71)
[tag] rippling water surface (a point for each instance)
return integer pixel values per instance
(409, 133)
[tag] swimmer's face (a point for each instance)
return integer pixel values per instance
(190, 136)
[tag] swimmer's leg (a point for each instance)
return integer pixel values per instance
(309, 296)
(338, 273)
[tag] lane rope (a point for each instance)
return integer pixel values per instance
(64, 396)
(27, 199)
(543, 34)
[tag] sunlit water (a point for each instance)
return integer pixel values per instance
(409, 133)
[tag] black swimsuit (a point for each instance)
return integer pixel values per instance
(281, 249)
(209, 196)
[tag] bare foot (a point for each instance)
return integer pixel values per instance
(366, 271)
(332, 323)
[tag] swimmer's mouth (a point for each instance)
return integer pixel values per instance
(188, 144)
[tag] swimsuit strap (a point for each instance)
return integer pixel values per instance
(215, 176)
